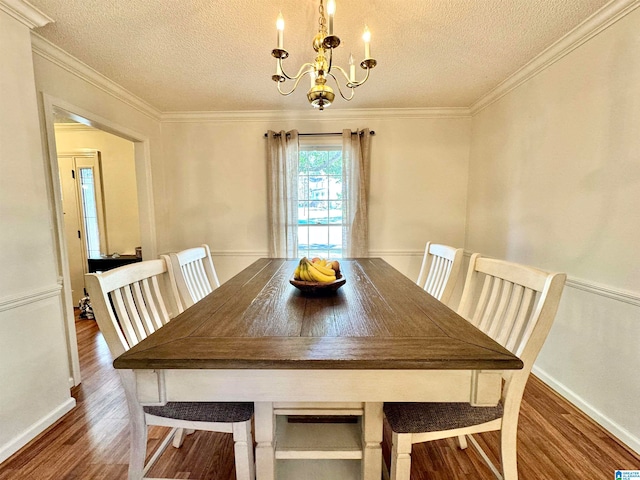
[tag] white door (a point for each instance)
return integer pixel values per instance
(82, 203)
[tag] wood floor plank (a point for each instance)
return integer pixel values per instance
(555, 440)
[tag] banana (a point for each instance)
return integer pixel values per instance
(324, 269)
(296, 273)
(303, 273)
(317, 275)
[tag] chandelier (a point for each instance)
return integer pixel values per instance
(320, 94)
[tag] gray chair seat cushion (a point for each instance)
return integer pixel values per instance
(435, 417)
(204, 411)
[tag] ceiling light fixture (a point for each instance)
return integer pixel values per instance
(320, 94)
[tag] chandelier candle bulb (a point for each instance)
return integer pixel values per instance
(366, 36)
(280, 28)
(352, 69)
(331, 10)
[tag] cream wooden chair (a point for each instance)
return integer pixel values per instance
(193, 275)
(128, 306)
(440, 270)
(515, 305)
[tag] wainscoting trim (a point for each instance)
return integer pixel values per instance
(632, 298)
(592, 26)
(15, 301)
(612, 427)
(36, 429)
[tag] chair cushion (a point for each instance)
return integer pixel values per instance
(204, 411)
(435, 417)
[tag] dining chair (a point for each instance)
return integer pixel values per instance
(129, 306)
(515, 305)
(440, 270)
(192, 274)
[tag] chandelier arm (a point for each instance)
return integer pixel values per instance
(340, 88)
(357, 84)
(344, 73)
(295, 85)
(305, 65)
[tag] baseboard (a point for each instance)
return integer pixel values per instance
(36, 429)
(605, 422)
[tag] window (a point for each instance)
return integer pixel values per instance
(317, 194)
(320, 201)
(90, 212)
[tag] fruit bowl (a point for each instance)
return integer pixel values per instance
(318, 287)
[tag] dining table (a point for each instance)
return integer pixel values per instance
(378, 338)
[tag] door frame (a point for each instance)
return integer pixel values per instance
(146, 213)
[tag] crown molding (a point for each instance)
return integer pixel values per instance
(25, 13)
(59, 57)
(74, 127)
(592, 26)
(326, 116)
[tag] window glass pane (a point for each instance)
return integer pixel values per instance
(318, 239)
(335, 242)
(335, 212)
(335, 187)
(303, 187)
(334, 165)
(318, 212)
(303, 213)
(303, 239)
(318, 188)
(90, 212)
(318, 162)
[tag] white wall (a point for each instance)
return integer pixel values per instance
(34, 372)
(555, 183)
(118, 179)
(217, 194)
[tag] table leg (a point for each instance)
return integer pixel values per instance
(371, 441)
(265, 434)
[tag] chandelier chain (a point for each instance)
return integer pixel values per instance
(322, 22)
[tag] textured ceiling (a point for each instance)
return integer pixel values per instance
(197, 55)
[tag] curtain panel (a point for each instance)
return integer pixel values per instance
(356, 149)
(282, 193)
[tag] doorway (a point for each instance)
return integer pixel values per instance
(140, 216)
(84, 214)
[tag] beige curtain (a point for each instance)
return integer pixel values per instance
(282, 195)
(355, 185)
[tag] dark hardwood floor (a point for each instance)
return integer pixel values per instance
(555, 440)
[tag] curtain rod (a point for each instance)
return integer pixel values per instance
(329, 134)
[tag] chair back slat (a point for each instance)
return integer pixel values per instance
(134, 312)
(123, 318)
(499, 318)
(439, 270)
(501, 333)
(160, 306)
(127, 302)
(143, 307)
(193, 275)
(513, 304)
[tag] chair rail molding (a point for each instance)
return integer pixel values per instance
(15, 301)
(632, 298)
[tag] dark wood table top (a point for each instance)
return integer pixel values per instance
(379, 319)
